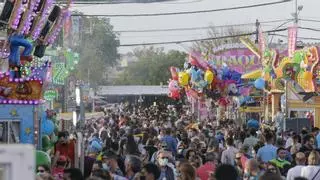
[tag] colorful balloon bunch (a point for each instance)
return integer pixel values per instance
(200, 78)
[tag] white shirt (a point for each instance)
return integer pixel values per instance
(310, 172)
(294, 172)
(289, 142)
(228, 155)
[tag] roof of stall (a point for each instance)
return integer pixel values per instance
(132, 90)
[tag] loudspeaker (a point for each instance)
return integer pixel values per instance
(54, 13)
(45, 29)
(6, 12)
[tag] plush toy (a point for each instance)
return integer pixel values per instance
(174, 89)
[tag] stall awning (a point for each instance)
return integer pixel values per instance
(132, 90)
(68, 116)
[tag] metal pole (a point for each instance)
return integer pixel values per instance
(198, 109)
(296, 19)
(82, 119)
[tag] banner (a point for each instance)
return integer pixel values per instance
(292, 40)
(241, 60)
(261, 40)
(67, 34)
(75, 29)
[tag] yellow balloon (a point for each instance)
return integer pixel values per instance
(208, 76)
(183, 78)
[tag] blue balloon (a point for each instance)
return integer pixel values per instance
(259, 83)
(47, 127)
(95, 146)
(195, 75)
(253, 123)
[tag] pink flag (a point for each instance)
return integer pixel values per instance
(261, 40)
(292, 40)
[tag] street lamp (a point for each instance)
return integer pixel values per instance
(78, 98)
(74, 118)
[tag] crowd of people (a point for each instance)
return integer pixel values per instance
(167, 143)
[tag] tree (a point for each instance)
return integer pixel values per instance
(152, 67)
(97, 49)
(208, 46)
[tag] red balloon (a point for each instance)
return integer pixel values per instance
(174, 73)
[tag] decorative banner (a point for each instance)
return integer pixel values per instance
(241, 60)
(67, 32)
(50, 95)
(292, 40)
(59, 73)
(262, 42)
(20, 91)
(75, 29)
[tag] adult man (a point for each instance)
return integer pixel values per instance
(252, 140)
(133, 166)
(170, 141)
(110, 163)
(204, 171)
(229, 154)
(167, 168)
(296, 171)
(151, 172)
(268, 151)
(280, 161)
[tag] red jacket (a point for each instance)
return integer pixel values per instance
(204, 171)
(66, 150)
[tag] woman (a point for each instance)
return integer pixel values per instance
(43, 172)
(186, 172)
(43, 169)
(312, 170)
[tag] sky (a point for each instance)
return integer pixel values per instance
(242, 16)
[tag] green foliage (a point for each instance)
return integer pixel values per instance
(98, 50)
(152, 67)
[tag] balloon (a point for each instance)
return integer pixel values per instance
(193, 60)
(259, 84)
(202, 84)
(174, 74)
(232, 89)
(186, 65)
(42, 158)
(47, 127)
(174, 89)
(183, 78)
(252, 123)
(96, 146)
(208, 76)
(45, 142)
(195, 75)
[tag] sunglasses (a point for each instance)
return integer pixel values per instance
(40, 170)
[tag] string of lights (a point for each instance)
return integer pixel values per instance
(199, 28)
(186, 12)
(200, 39)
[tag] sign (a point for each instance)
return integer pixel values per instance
(241, 60)
(292, 40)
